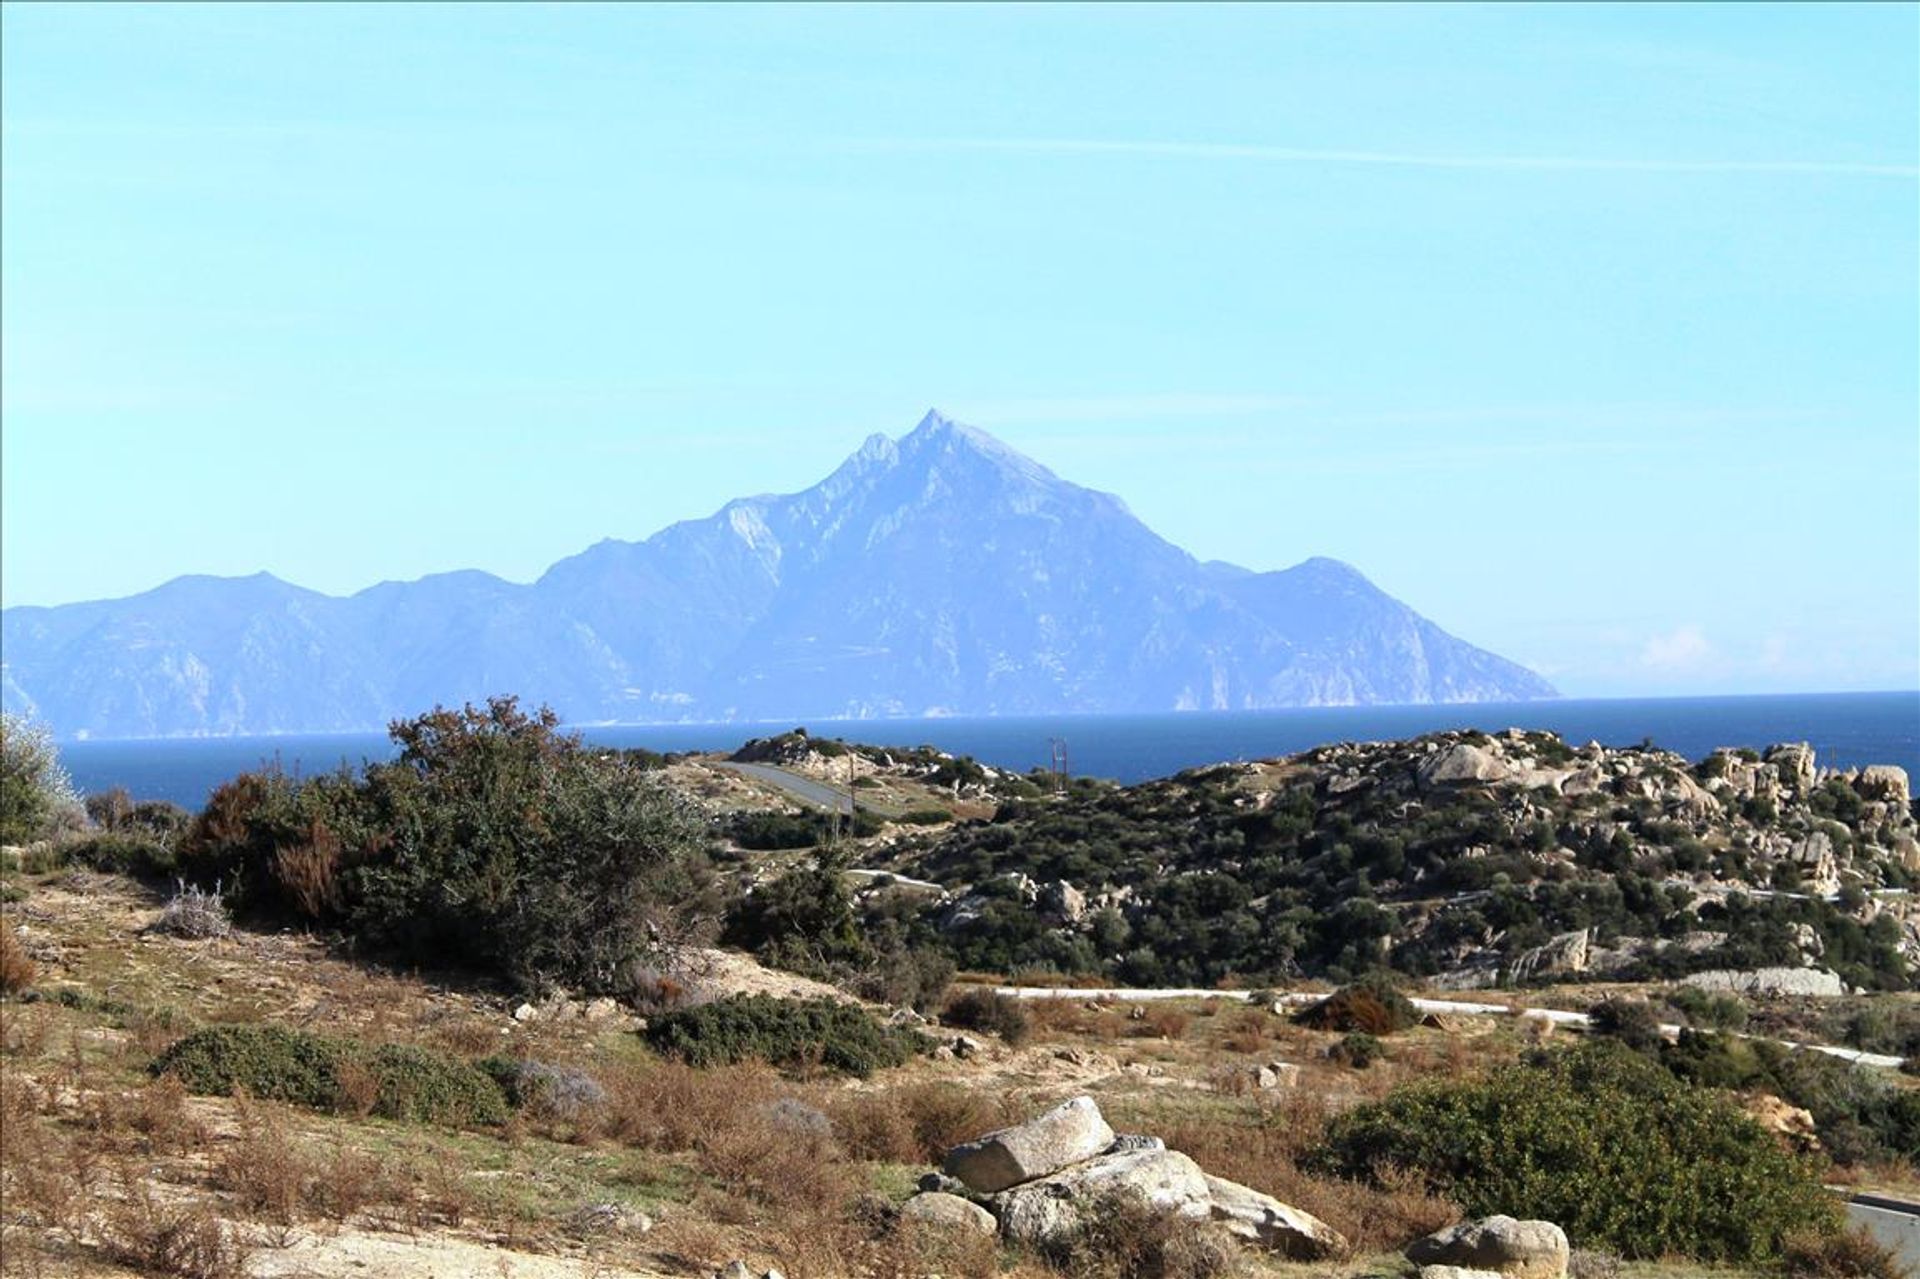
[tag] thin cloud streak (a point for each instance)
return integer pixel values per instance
(1392, 159)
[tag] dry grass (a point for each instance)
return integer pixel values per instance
(17, 970)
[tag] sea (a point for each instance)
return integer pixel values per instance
(1846, 730)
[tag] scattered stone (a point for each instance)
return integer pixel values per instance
(1262, 1219)
(1516, 1249)
(1067, 1134)
(1052, 1208)
(601, 1009)
(1565, 953)
(966, 1047)
(609, 1218)
(525, 1012)
(948, 1212)
(1457, 1272)
(1793, 762)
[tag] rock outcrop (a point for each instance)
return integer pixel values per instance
(1039, 1181)
(1068, 1134)
(1515, 1249)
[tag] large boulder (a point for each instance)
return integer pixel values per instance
(1277, 1227)
(1517, 1249)
(1051, 1209)
(1793, 761)
(1885, 783)
(1462, 763)
(940, 1211)
(1067, 1134)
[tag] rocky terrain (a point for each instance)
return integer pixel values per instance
(1467, 859)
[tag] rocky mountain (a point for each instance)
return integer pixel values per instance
(940, 573)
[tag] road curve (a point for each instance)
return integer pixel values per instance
(804, 789)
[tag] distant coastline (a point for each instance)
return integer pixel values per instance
(1846, 730)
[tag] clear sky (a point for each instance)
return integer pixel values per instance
(1592, 333)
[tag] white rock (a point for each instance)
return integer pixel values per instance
(1067, 1134)
(1052, 1208)
(948, 1212)
(1516, 1249)
(1278, 1227)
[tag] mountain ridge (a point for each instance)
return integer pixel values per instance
(940, 573)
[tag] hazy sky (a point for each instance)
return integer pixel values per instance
(1592, 333)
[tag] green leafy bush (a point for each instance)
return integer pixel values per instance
(492, 841)
(795, 1034)
(1615, 1149)
(123, 852)
(1358, 1050)
(322, 1072)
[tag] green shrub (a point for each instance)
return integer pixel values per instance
(1615, 1149)
(795, 1034)
(126, 852)
(321, 1072)
(270, 1062)
(1370, 1006)
(419, 1086)
(924, 817)
(492, 841)
(1632, 1021)
(983, 1009)
(1358, 1050)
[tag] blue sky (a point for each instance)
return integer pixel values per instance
(1592, 333)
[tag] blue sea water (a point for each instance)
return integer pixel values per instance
(1847, 730)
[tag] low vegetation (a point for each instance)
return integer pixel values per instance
(1618, 1151)
(794, 1034)
(394, 1081)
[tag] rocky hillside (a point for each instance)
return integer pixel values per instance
(940, 573)
(1461, 857)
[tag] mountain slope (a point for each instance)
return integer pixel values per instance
(941, 573)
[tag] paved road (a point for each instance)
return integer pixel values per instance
(1892, 1222)
(804, 789)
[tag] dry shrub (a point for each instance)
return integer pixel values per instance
(467, 1037)
(1263, 1156)
(671, 1106)
(915, 1124)
(1056, 1018)
(1248, 1034)
(194, 914)
(1158, 1023)
(159, 1114)
(17, 971)
(1844, 1254)
(1126, 1237)
(357, 1087)
(24, 1030)
(140, 1227)
(309, 871)
(264, 1171)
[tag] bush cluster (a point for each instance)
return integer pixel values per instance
(492, 841)
(985, 1010)
(790, 1033)
(1618, 1151)
(396, 1081)
(36, 796)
